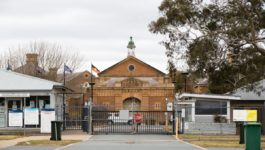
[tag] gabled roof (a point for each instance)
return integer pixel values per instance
(71, 76)
(257, 93)
(30, 69)
(13, 81)
(134, 58)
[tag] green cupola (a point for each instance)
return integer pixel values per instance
(131, 46)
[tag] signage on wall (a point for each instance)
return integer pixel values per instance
(47, 115)
(245, 115)
(124, 114)
(2, 117)
(31, 116)
(15, 118)
(41, 104)
(32, 104)
(14, 105)
(2, 120)
(169, 106)
(14, 94)
(183, 112)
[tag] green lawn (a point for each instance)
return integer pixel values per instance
(9, 137)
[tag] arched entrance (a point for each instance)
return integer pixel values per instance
(132, 104)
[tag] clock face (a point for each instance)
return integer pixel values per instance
(131, 67)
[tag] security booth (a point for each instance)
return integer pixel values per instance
(24, 98)
(205, 113)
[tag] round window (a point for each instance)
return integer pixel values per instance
(131, 67)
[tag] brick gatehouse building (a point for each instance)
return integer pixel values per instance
(132, 84)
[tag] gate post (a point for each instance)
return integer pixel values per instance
(177, 122)
(91, 107)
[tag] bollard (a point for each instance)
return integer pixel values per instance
(241, 134)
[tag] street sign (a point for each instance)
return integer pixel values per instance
(169, 106)
(124, 114)
(138, 118)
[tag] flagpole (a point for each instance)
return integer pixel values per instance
(91, 77)
(64, 97)
(64, 74)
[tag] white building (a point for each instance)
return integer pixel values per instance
(19, 91)
(206, 113)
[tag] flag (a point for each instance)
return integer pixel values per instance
(66, 68)
(9, 67)
(94, 70)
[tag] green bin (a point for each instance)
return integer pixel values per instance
(252, 136)
(56, 130)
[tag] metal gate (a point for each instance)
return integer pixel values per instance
(76, 118)
(150, 122)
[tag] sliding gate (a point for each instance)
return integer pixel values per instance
(138, 122)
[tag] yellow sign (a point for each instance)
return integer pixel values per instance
(245, 115)
(252, 115)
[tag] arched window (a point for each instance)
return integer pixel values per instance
(132, 104)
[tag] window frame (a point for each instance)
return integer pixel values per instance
(206, 110)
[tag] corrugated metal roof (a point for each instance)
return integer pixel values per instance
(208, 96)
(12, 81)
(257, 93)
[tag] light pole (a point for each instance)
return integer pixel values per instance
(166, 114)
(175, 117)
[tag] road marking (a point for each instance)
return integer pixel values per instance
(69, 145)
(192, 145)
(135, 140)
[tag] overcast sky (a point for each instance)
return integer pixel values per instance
(98, 29)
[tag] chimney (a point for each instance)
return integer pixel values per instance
(53, 74)
(32, 58)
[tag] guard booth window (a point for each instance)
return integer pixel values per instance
(2, 101)
(204, 107)
(14, 104)
(44, 102)
(38, 102)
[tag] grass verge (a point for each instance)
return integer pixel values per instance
(47, 143)
(9, 137)
(224, 141)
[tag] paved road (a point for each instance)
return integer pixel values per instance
(132, 142)
(124, 128)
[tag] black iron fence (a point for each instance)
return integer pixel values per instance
(137, 122)
(75, 117)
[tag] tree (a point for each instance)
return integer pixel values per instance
(207, 34)
(50, 55)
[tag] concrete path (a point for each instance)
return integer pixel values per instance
(132, 142)
(8, 143)
(31, 148)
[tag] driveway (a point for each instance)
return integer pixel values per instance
(132, 142)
